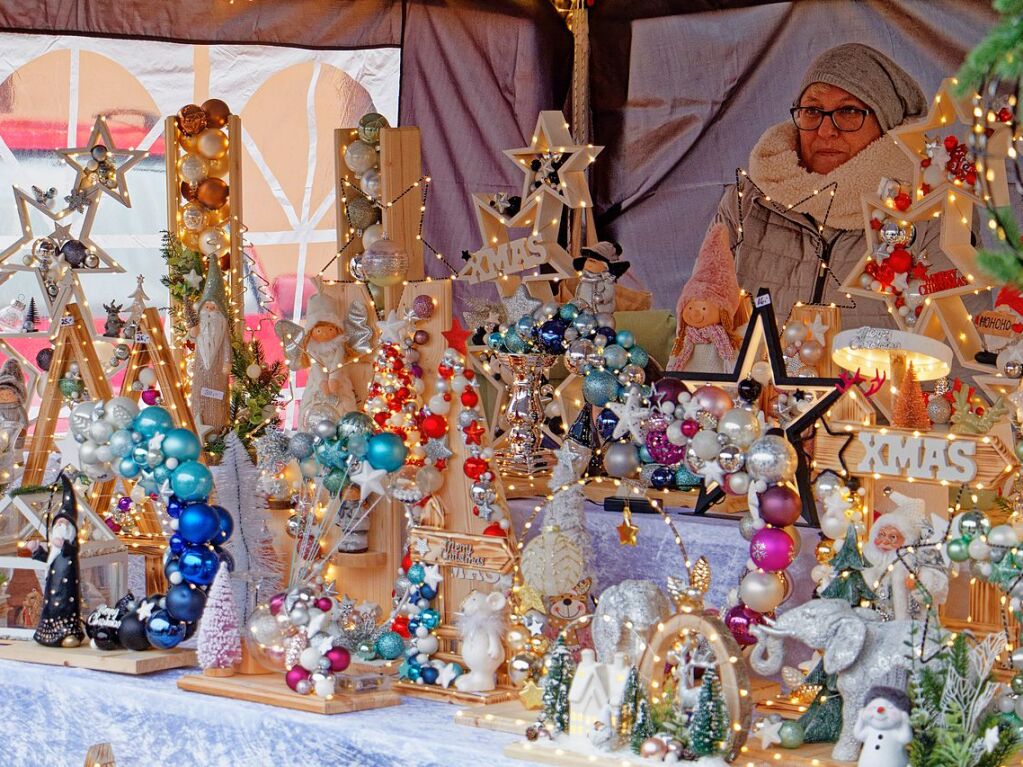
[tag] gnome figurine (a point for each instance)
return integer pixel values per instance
(211, 395)
(329, 387)
(706, 310)
(60, 624)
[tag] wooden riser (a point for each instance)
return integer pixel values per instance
(114, 661)
(510, 716)
(451, 695)
(271, 690)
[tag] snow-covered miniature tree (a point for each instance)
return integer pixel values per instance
(709, 726)
(565, 510)
(219, 643)
(644, 726)
(556, 684)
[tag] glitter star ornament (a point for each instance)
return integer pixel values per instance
(630, 417)
(520, 304)
(627, 532)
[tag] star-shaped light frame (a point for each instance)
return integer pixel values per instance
(123, 160)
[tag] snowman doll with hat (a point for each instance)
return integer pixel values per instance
(882, 725)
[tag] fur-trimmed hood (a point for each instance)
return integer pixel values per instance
(774, 167)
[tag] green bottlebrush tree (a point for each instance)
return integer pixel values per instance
(643, 727)
(631, 695)
(847, 582)
(556, 684)
(708, 730)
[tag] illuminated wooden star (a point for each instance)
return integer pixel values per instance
(456, 336)
(123, 160)
(627, 532)
(23, 202)
(552, 145)
(531, 695)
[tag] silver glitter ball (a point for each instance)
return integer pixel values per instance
(771, 458)
(325, 429)
(1013, 369)
(639, 602)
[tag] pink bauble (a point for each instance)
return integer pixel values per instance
(276, 603)
(740, 619)
(295, 675)
(772, 549)
(780, 506)
(325, 603)
(713, 399)
(339, 658)
(690, 427)
(151, 396)
(661, 449)
(657, 421)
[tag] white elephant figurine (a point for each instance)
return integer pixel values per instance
(481, 626)
(863, 650)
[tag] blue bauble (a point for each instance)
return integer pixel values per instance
(416, 574)
(121, 443)
(162, 631)
(176, 543)
(358, 444)
(426, 591)
(430, 618)
(199, 565)
(161, 474)
(513, 342)
(568, 312)
(198, 523)
(331, 453)
(140, 454)
(524, 327)
(171, 566)
(127, 468)
(181, 444)
(600, 387)
(494, 340)
(625, 339)
(175, 507)
(685, 478)
(225, 557)
(413, 623)
(552, 336)
(609, 333)
(153, 420)
(585, 323)
(191, 481)
(386, 452)
(429, 674)
(638, 356)
(644, 455)
(606, 422)
(185, 603)
(390, 645)
(663, 478)
(225, 526)
(615, 357)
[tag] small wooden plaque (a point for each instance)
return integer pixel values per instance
(113, 661)
(270, 690)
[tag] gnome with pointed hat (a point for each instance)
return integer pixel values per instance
(211, 371)
(706, 310)
(903, 574)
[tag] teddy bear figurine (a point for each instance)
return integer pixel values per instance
(481, 627)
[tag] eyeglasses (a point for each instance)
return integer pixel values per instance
(845, 119)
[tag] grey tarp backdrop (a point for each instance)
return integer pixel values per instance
(680, 90)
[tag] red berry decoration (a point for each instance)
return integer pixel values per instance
(1005, 115)
(951, 142)
(434, 426)
(885, 275)
(902, 201)
(875, 224)
(900, 260)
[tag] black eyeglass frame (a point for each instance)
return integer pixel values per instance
(830, 114)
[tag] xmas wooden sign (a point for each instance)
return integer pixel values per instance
(468, 557)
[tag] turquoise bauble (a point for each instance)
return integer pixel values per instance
(153, 420)
(513, 342)
(331, 453)
(181, 444)
(161, 474)
(615, 357)
(685, 478)
(386, 452)
(390, 645)
(958, 550)
(358, 444)
(791, 734)
(524, 327)
(600, 387)
(494, 340)
(127, 468)
(416, 574)
(568, 312)
(430, 618)
(191, 481)
(638, 356)
(334, 482)
(625, 338)
(354, 424)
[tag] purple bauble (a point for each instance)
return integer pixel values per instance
(416, 371)
(713, 399)
(151, 396)
(780, 506)
(421, 337)
(667, 390)
(772, 549)
(661, 449)
(295, 675)
(740, 619)
(124, 503)
(276, 603)
(657, 421)
(423, 307)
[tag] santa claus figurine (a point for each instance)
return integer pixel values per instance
(211, 395)
(706, 310)
(904, 584)
(882, 725)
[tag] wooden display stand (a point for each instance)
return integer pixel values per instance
(113, 661)
(271, 690)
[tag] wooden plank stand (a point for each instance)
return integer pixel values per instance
(271, 690)
(113, 661)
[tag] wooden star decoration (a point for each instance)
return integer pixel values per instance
(952, 115)
(123, 160)
(552, 150)
(69, 291)
(762, 339)
(948, 320)
(531, 695)
(23, 201)
(456, 336)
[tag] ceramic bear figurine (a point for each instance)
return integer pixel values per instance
(481, 626)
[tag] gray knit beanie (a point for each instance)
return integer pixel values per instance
(890, 92)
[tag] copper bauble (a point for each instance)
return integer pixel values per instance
(212, 193)
(187, 191)
(218, 167)
(191, 119)
(217, 112)
(188, 143)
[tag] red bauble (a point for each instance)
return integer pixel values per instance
(951, 142)
(925, 163)
(780, 506)
(900, 260)
(406, 561)
(474, 467)
(381, 418)
(444, 371)
(690, 427)
(494, 530)
(469, 374)
(1005, 115)
(434, 426)
(400, 625)
(971, 177)
(875, 224)
(902, 201)
(469, 398)
(885, 274)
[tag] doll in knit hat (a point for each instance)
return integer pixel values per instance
(706, 310)
(13, 399)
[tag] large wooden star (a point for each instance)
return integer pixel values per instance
(553, 153)
(123, 160)
(762, 341)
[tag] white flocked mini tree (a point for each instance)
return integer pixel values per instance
(219, 643)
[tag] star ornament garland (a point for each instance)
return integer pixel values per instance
(812, 396)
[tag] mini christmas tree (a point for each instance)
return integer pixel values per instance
(556, 685)
(910, 410)
(822, 721)
(709, 727)
(28, 324)
(644, 726)
(219, 644)
(631, 695)
(847, 582)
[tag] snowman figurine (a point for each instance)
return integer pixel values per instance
(883, 727)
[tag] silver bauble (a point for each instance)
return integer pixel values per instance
(360, 157)
(747, 526)
(939, 410)
(740, 426)
(621, 460)
(731, 458)
(640, 602)
(771, 458)
(826, 483)
(762, 591)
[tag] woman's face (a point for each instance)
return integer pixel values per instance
(700, 314)
(826, 148)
